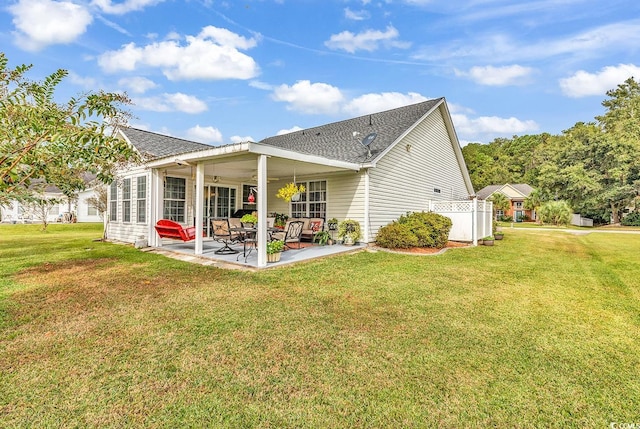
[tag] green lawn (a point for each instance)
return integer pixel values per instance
(541, 330)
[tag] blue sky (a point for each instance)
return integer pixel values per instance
(225, 71)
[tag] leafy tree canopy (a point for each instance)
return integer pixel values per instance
(44, 141)
(594, 166)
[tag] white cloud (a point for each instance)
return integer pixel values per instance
(260, 85)
(208, 135)
(88, 83)
(137, 84)
(592, 43)
(107, 6)
(371, 103)
(583, 84)
(466, 126)
(176, 102)
(290, 130)
(40, 23)
(240, 139)
(212, 54)
(497, 76)
(313, 98)
(358, 15)
(369, 40)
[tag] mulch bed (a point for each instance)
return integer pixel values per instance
(426, 250)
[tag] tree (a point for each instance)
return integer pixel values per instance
(555, 212)
(99, 200)
(56, 143)
(500, 202)
(39, 207)
(533, 201)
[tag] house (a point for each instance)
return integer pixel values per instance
(516, 194)
(372, 169)
(65, 210)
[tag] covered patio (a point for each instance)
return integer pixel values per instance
(263, 169)
(185, 251)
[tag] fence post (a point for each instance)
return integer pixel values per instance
(474, 221)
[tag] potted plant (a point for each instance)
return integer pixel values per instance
(274, 250)
(332, 224)
(498, 235)
(488, 240)
(349, 231)
(280, 220)
(322, 237)
(290, 192)
(249, 220)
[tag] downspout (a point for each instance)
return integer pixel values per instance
(367, 223)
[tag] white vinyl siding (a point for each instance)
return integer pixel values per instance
(421, 167)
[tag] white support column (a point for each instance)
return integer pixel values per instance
(367, 226)
(262, 211)
(156, 196)
(199, 206)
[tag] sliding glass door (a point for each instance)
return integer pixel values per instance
(219, 201)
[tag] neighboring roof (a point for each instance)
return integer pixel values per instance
(156, 145)
(341, 140)
(486, 192)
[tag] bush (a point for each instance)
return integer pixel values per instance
(555, 212)
(632, 219)
(503, 218)
(396, 236)
(418, 229)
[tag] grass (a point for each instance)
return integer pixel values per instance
(541, 330)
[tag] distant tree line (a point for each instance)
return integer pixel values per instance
(593, 166)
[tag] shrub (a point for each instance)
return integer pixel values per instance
(396, 236)
(632, 219)
(418, 229)
(555, 212)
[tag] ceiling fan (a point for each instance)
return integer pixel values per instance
(269, 179)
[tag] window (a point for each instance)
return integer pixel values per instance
(141, 203)
(313, 202)
(92, 210)
(174, 199)
(518, 204)
(113, 202)
(126, 200)
(55, 210)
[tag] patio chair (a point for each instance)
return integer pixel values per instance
(292, 234)
(222, 233)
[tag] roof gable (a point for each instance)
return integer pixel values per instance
(155, 145)
(341, 140)
(519, 190)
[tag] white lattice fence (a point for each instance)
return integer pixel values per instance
(471, 219)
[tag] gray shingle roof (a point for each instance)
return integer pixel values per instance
(157, 145)
(523, 188)
(337, 140)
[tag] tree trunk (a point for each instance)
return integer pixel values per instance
(615, 215)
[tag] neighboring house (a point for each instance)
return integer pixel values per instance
(414, 158)
(17, 212)
(516, 194)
